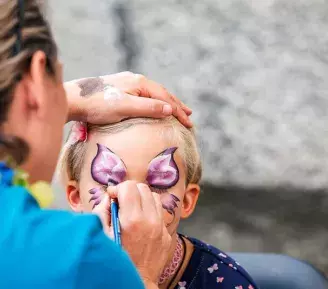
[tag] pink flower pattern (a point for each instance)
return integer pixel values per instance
(182, 285)
(213, 268)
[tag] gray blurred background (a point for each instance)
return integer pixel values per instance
(255, 73)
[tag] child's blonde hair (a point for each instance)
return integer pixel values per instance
(72, 156)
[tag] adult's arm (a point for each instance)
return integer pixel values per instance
(105, 265)
(130, 95)
(58, 249)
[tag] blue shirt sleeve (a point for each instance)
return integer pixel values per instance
(57, 249)
(105, 265)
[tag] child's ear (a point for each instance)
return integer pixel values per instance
(190, 200)
(73, 196)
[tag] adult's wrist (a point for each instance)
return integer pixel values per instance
(76, 103)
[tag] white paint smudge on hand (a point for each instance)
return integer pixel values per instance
(112, 93)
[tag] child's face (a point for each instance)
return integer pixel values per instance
(143, 153)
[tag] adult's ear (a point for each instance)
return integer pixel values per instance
(190, 200)
(30, 92)
(73, 196)
(37, 80)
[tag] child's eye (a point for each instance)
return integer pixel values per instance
(110, 184)
(158, 191)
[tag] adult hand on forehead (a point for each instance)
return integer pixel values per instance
(111, 98)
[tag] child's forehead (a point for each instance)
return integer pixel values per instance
(138, 143)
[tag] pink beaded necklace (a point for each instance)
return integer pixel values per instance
(172, 268)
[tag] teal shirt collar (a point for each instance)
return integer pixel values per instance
(6, 175)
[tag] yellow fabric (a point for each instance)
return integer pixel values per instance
(43, 193)
(41, 190)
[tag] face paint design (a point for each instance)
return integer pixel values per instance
(163, 172)
(97, 195)
(169, 203)
(107, 169)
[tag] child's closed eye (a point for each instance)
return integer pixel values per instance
(158, 191)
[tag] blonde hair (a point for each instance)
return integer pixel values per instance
(23, 31)
(72, 155)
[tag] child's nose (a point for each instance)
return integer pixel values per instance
(138, 179)
(137, 172)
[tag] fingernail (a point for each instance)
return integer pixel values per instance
(167, 109)
(112, 192)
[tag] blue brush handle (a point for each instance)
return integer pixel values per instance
(115, 222)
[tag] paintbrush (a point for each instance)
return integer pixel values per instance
(115, 221)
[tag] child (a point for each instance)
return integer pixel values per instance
(164, 155)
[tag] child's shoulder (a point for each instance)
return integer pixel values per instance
(211, 250)
(209, 265)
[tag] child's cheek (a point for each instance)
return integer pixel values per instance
(87, 207)
(91, 198)
(172, 227)
(172, 210)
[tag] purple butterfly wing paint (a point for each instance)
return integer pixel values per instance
(169, 203)
(97, 195)
(163, 172)
(107, 168)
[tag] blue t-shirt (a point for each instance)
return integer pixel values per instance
(44, 249)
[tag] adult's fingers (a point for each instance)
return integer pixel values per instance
(166, 237)
(134, 106)
(138, 84)
(147, 200)
(112, 192)
(147, 107)
(149, 88)
(185, 108)
(159, 206)
(182, 117)
(129, 199)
